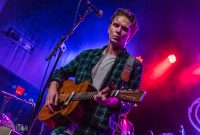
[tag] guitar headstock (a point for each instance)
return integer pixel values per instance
(131, 95)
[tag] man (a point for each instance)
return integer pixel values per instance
(103, 68)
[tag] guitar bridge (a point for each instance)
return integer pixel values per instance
(69, 98)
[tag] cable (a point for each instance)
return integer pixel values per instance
(76, 13)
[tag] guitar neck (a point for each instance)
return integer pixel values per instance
(89, 95)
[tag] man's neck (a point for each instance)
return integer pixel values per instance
(112, 50)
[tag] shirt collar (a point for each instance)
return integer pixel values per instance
(123, 53)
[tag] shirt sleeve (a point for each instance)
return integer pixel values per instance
(67, 71)
(133, 83)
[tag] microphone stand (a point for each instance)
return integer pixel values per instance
(57, 47)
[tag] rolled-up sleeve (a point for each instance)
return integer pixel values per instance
(67, 71)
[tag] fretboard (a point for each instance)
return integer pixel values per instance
(89, 95)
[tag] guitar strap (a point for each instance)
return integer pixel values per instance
(128, 67)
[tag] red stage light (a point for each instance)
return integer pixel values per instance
(190, 76)
(172, 58)
(196, 71)
(19, 90)
(160, 69)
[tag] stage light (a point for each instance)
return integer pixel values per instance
(172, 58)
(160, 68)
(190, 76)
(196, 71)
(163, 66)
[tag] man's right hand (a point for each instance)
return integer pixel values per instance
(52, 96)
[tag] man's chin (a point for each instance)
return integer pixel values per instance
(117, 46)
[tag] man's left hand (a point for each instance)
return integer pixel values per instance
(101, 98)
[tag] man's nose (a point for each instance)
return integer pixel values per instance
(119, 30)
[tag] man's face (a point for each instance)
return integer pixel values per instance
(119, 31)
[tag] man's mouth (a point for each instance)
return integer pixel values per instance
(116, 37)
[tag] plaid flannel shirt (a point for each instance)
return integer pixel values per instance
(101, 118)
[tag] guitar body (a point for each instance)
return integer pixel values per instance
(73, 100)
(66, 114)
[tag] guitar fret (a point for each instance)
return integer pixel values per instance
(89, 95)
(92, 94)
(86, 94)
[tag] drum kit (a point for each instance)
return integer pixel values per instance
(6, 125)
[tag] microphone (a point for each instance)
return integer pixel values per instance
(98, 12)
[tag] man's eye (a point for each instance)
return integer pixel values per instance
(116, 25)
(125, 29)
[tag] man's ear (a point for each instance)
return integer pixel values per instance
(108, 29)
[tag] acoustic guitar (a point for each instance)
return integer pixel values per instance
(69, 108)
